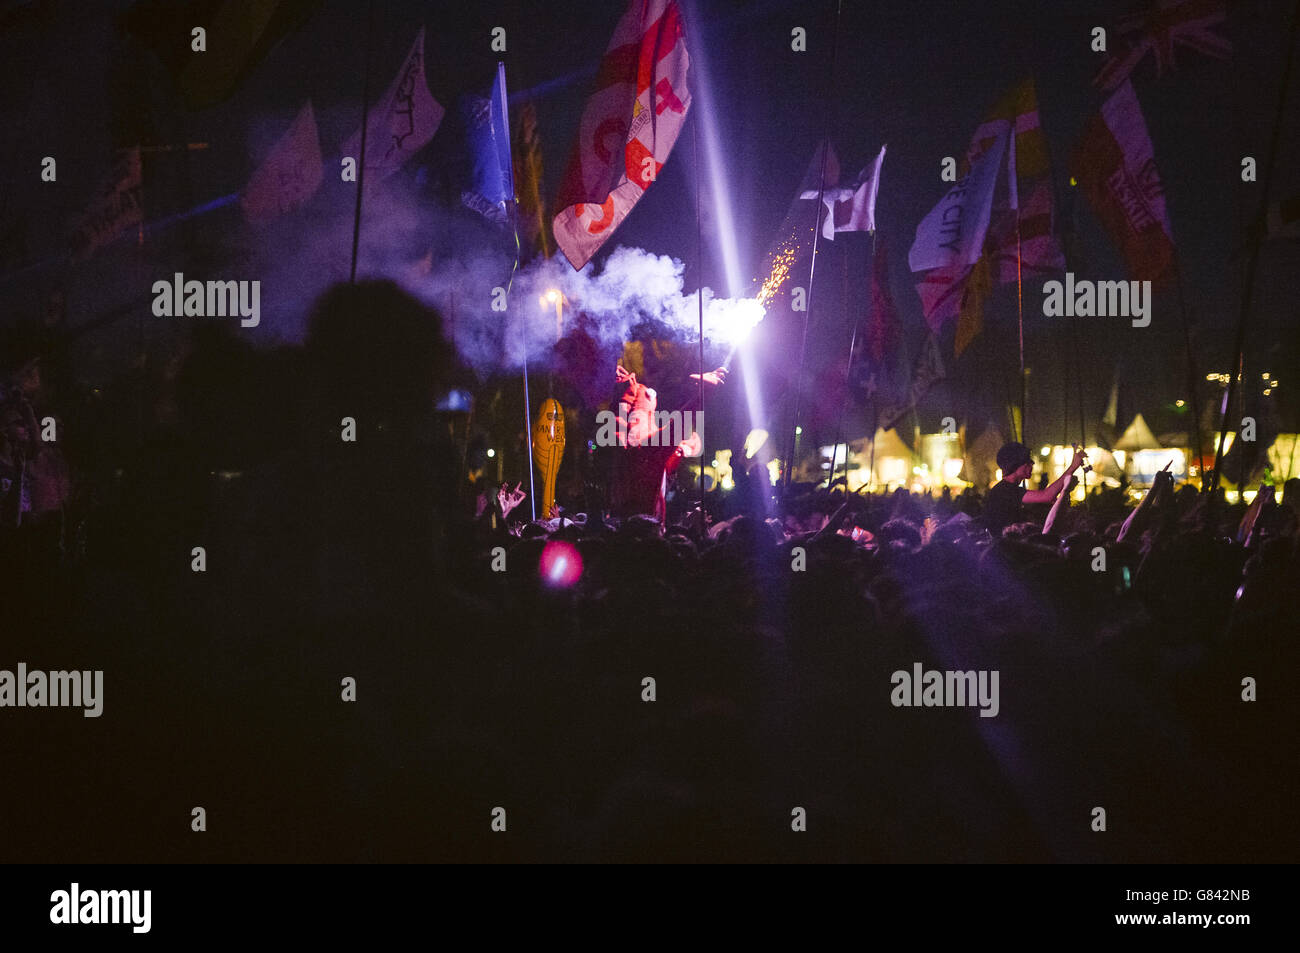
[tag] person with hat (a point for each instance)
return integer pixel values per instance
(1004, 503)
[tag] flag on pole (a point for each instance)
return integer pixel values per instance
(953, 233)
(879, 347)
(883, 329)
(238, 36)
(927, 370)
(116, 206)
(1013, 239)
(627, 129)
(1116, 169)
(1161, 29)
(851, 209)
(402, 122)
(527, 152)
(796, 231)
(1021, 242)
(487, 122)
(289, 176)
(950, 240)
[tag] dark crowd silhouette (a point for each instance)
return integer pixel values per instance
(770, 624)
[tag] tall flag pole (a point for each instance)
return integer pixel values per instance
(699, 295)
(1020, 287)
(500, 124)
(400, 125)
(365, 124)
(1248, 289)
(983, 234)
(855, 210)
(812, 265)
(848, 374)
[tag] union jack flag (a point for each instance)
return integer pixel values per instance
(1171, 23)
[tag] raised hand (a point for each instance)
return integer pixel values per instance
(508, 499)
(713, 377)
(691, 446)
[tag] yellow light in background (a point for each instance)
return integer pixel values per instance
(491, 452)
(553, 295)
(1180, 403)
(893, 470)
(1046, 451)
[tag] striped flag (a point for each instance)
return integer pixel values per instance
(1021, 242)
(1116, 169)
(627, 129)
(527, 152)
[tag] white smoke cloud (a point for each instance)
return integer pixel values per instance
(632, 286)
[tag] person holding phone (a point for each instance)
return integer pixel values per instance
(1005, 502)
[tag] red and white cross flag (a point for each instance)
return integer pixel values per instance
(628, 127)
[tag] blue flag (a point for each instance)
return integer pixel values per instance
(492, 185)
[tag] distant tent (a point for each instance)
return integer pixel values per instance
(892, 458)
(1138, 436)
(981, 463)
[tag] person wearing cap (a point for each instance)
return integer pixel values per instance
(1003, 505)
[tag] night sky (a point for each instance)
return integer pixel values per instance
(918, 76)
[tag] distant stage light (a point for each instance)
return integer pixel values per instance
(491, 452)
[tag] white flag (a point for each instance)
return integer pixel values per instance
(851, 210)
(401, 123)
(290, 175)
(953, 233)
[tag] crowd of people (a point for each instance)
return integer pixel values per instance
(678, 696)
